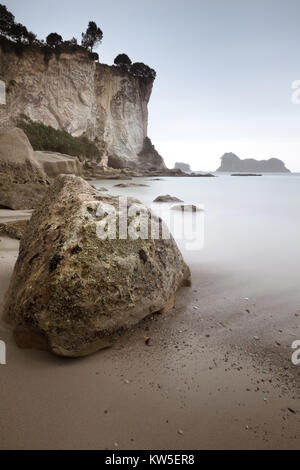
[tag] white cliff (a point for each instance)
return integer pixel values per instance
(72, 92)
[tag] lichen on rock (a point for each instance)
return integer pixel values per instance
(72, 292)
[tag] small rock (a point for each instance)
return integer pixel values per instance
(167, 198)
(187, 208)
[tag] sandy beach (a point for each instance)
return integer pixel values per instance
(149, 227)
(206, 380)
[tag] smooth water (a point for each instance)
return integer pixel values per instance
(250, 224)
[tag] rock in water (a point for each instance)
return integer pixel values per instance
(185, 167)
(22, 180)
(232, 163)
(167, 198)
(73, 292)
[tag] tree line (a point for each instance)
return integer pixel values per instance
(91, 38)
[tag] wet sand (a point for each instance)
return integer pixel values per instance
(203, 382)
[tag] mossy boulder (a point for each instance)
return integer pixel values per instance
(73, 292)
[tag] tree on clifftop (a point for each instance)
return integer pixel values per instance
(54, 40)
(122, 59)
(18, 32)
(7, 20)
(31, 38)
(138, 69)
(92, 36)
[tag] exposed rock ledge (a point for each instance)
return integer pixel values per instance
(72, 291)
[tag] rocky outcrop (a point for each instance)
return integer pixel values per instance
(246, 174)
(55, 164)
(167, 198)
(22, 180)
(131, 185)
(232, 163)
(149, 158)
(72, 290)
(71, 92)
(185, 167)
(13, 229)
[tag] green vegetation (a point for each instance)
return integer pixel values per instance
(92, 36)
(22, 38)
(122, 59)
(54, 40)
(16, 36)
(49, 139)
(138, 69)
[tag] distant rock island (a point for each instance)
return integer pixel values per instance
(232, 163)
(185, 167)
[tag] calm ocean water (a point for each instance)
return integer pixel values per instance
(250, 224)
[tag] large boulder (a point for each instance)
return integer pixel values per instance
(55, 164)
(72, 291)
(22, 180)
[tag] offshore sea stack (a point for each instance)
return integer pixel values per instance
(22, 180)
(232, 163)
(73, 292)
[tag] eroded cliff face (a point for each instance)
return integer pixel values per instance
(73, 93)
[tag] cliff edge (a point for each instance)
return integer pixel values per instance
(72, 92)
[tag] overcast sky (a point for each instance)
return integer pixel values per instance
(224, 69)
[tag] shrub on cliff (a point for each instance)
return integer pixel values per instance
(71, 43)
(49, 139)
(31, 38)
(54, 40)
(138, 69)
(16, 31)
(7, 20)
(92, 36)
(122, 59)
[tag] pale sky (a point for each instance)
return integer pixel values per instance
(225, 69)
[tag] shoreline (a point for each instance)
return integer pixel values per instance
(203, 382)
